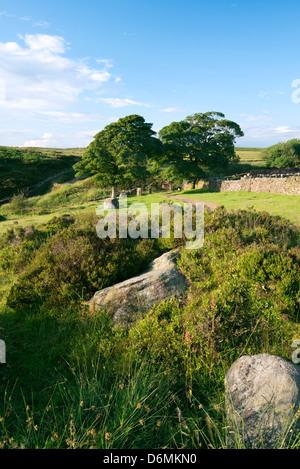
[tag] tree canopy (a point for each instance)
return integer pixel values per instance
(283, 155)
(121, 152)
(128, 151)
(198, 142)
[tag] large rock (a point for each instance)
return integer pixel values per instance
(130, 300)
(262, 398)
(111, 203)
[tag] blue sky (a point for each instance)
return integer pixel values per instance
(68, 68)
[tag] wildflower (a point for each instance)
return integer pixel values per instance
(121, 386)
(27, 408)
(107, 436)
(81, 404)
(147, 409)
(72, 428)
(93, 407)
(141, 422)
(139, 406)
(36, 428)
(187, 339)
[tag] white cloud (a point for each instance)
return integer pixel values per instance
(45, 141)
(171, 109)
(39, 76)
(39, 23)
(118, 102)
(253, 118)
(288, 130)
(45, 42)
(107, 62)
(262, 94)
(69, 117)
(42, 24)
(274, 133)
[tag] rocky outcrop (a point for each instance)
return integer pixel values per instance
(262, 398)
(132, 299)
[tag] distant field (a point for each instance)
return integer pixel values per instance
(250, 155)
(22, 169)
(61, 151)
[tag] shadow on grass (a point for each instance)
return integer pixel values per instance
(199, 191)
(41, 348)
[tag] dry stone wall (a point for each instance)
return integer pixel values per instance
(287, 185)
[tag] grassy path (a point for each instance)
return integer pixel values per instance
(209, 205)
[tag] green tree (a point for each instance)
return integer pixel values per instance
(199, 142)
(283, 155)
(122, 152)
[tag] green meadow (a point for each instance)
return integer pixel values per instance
(286, 206)
(251, 156)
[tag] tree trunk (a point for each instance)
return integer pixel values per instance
(113, 192)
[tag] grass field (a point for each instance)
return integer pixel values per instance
(250, 155)
(71, 199)
(287, 206)
(21, 170)
(67, 200)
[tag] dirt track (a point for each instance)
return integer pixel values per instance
(209, 205)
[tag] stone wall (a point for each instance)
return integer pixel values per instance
(287, 185)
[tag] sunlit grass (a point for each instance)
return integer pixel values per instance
(287, 206)
(251, 156)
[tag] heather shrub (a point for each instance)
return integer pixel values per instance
(71, 263)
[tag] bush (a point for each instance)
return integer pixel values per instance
(283, 155)
(18, 203)
(73, 263)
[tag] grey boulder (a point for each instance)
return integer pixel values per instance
(130, 300)
(111, 203)
(262, 395)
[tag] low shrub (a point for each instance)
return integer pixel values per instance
(73, 263)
